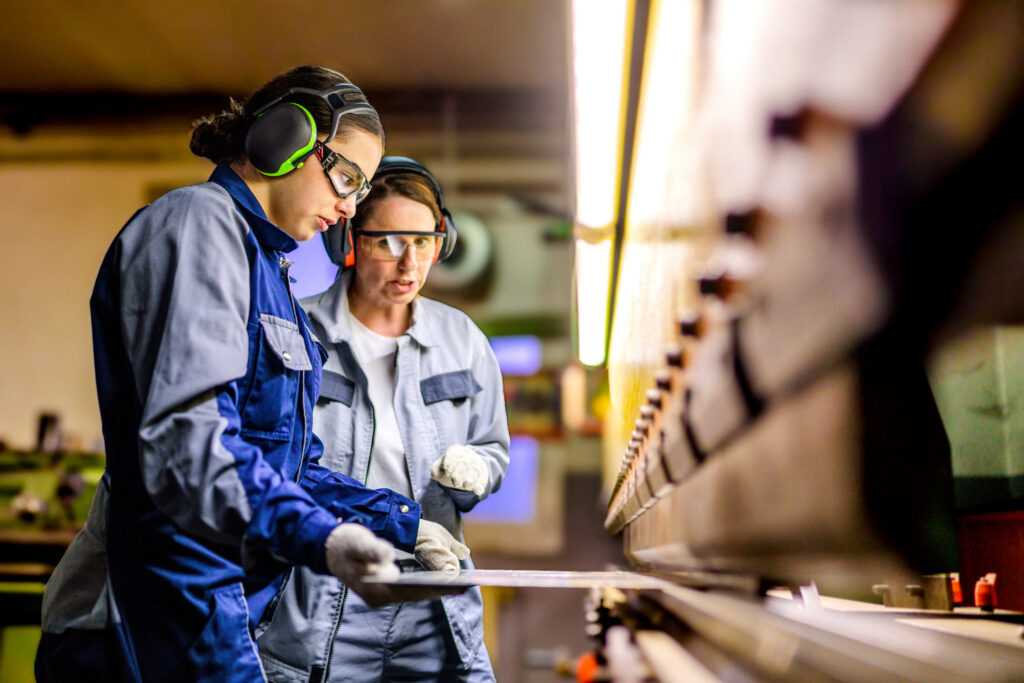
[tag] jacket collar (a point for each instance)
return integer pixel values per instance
(266, 232)
(330, 310)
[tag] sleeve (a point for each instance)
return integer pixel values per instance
(488, 425)
(386, 513)
(185, 303)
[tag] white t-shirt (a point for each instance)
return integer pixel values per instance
(376, 355)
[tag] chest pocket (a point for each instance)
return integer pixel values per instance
(334, 420)
(335, 387)
(451, 386)
(277, 359)
(285, 342)
(445, 397)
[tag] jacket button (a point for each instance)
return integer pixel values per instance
(403, 509)
(286, 355)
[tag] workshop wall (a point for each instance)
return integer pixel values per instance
(57, 222)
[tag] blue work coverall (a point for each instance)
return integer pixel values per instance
(207, 374)
(448, 390)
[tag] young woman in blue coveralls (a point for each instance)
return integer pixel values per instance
(412, 400)
(207, 374)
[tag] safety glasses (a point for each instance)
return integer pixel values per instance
(392, 245)
(346, 178)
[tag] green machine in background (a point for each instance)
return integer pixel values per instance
(44, 499)
(46, 491)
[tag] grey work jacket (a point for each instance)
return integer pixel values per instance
(448, 391)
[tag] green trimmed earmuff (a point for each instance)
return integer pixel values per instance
(280, 139)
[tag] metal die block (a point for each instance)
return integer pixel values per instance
(630, 509)
(657, 479)
(641, 490)
(677, 456)
(614, 522)
(616, 518)
(630, 505)
(717, 407)
(615, 507)
(818, 296)
(751, 509)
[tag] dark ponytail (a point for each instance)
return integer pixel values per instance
(221, 137)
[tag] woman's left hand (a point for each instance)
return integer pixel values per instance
(437, 550)
(460, 468)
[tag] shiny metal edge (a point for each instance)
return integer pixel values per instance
(528, 578)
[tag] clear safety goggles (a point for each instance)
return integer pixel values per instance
(392, 245)
(346, 178)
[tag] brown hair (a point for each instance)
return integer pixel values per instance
(221, 137)
(399, 184)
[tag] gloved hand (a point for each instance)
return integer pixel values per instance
(436, 549)
(460, 468)
(353, 553)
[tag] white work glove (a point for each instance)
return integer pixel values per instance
(436, 549)
(361, 560)
(460, 468)
(353, 553)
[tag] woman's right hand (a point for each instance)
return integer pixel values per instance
(353, 553)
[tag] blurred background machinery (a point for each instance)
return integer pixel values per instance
(812, 351)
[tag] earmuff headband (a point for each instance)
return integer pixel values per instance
(340, 98)
(283, 134)
(398, 164)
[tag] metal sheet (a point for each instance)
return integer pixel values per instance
(527, 578)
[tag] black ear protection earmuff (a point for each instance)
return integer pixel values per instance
(283, 134)
(338, 238)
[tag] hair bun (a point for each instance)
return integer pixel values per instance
(218, 137)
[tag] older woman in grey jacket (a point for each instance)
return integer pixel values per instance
(411, 400)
